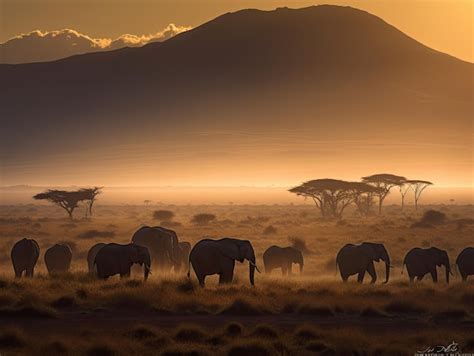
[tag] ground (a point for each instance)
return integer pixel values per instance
(314, 313)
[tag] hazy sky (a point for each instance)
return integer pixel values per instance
(445, 25)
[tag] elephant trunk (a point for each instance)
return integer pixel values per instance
(146, 268)
(448, 271)
(252, 266)
(387, 268)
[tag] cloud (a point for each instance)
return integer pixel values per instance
(40, 46)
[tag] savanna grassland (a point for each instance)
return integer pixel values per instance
(169, 314)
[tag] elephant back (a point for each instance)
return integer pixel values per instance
(25, 253)
(162, 244)
(58, 258)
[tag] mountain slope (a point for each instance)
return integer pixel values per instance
(320, 69)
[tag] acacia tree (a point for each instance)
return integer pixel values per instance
(384, 182)
(364, 197)
(66, 200)
(331, 196)
(90, 195)
(404, 187)
(418, 186)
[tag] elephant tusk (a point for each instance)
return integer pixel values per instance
(451, 273)
(254, 265)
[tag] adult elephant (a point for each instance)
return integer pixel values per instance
(210, 257)
(359, 259)
(91, 256)
(24, 256)
(282, 257)
(115, 259)
(184, 251)
(58, 258)
(162, 244)
(421, 261)
(465, 263)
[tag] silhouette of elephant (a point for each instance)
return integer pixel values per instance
(465, 263)
(210, 257)
(24, 255)
(114, 259)
(91, 256)
(421, 261)
(282, 257)
(58, 258)
(359, 259)
(162, 244)
(184, 251)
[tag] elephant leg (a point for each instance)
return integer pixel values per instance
(201, 280)
(360, 276)
(464, 277)
(290, 272)
(226, 277)
(29, 273)
(284, 270)
(371, 272)
(17, 273)
(434, 275)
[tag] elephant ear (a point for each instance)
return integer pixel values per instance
(133, 253)
(230, 250)
(373, 252)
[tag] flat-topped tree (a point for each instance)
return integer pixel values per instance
(364, 196)
(331, 196)
(90, 195)
(66, 200)
(384, 182)
(404, 188)
(418, 186)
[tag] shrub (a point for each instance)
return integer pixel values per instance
(316, 346)
(163, 215)
(250, 348)
(233, 329)
(12, 339)
(190, 334)
(142, 332)
(242, 307)
(265, 331)
(305, 333)
(270, 230)
(64, 302)
(321, 311)
(93, 234)
(433, 217)
(203, 219)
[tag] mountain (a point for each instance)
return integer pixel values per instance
(44, 46)
(330, 72)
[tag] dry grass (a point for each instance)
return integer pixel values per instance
(315, 296)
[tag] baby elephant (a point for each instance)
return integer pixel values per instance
(282, 257)
(58, 258)
(465, 263)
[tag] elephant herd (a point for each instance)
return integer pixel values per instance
(161, 248)
(359, 259)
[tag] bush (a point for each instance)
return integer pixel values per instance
(433, 217)
(203, 219)
(12, 339)
(265, 331)
(190, 334)
(242, 307)
(233, 329)
(250, 348)
(270, 230)
(163, 215)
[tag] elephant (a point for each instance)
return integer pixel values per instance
(184, 251)
(58, 258)
(465, 263)
(210, 257)
(358, 259)
(91, 255)
(421, 261)
(114, 259)
(282, 257)
(25, 254)
(162, 244)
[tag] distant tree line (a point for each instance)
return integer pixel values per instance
(333, 196)
(69, 200)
